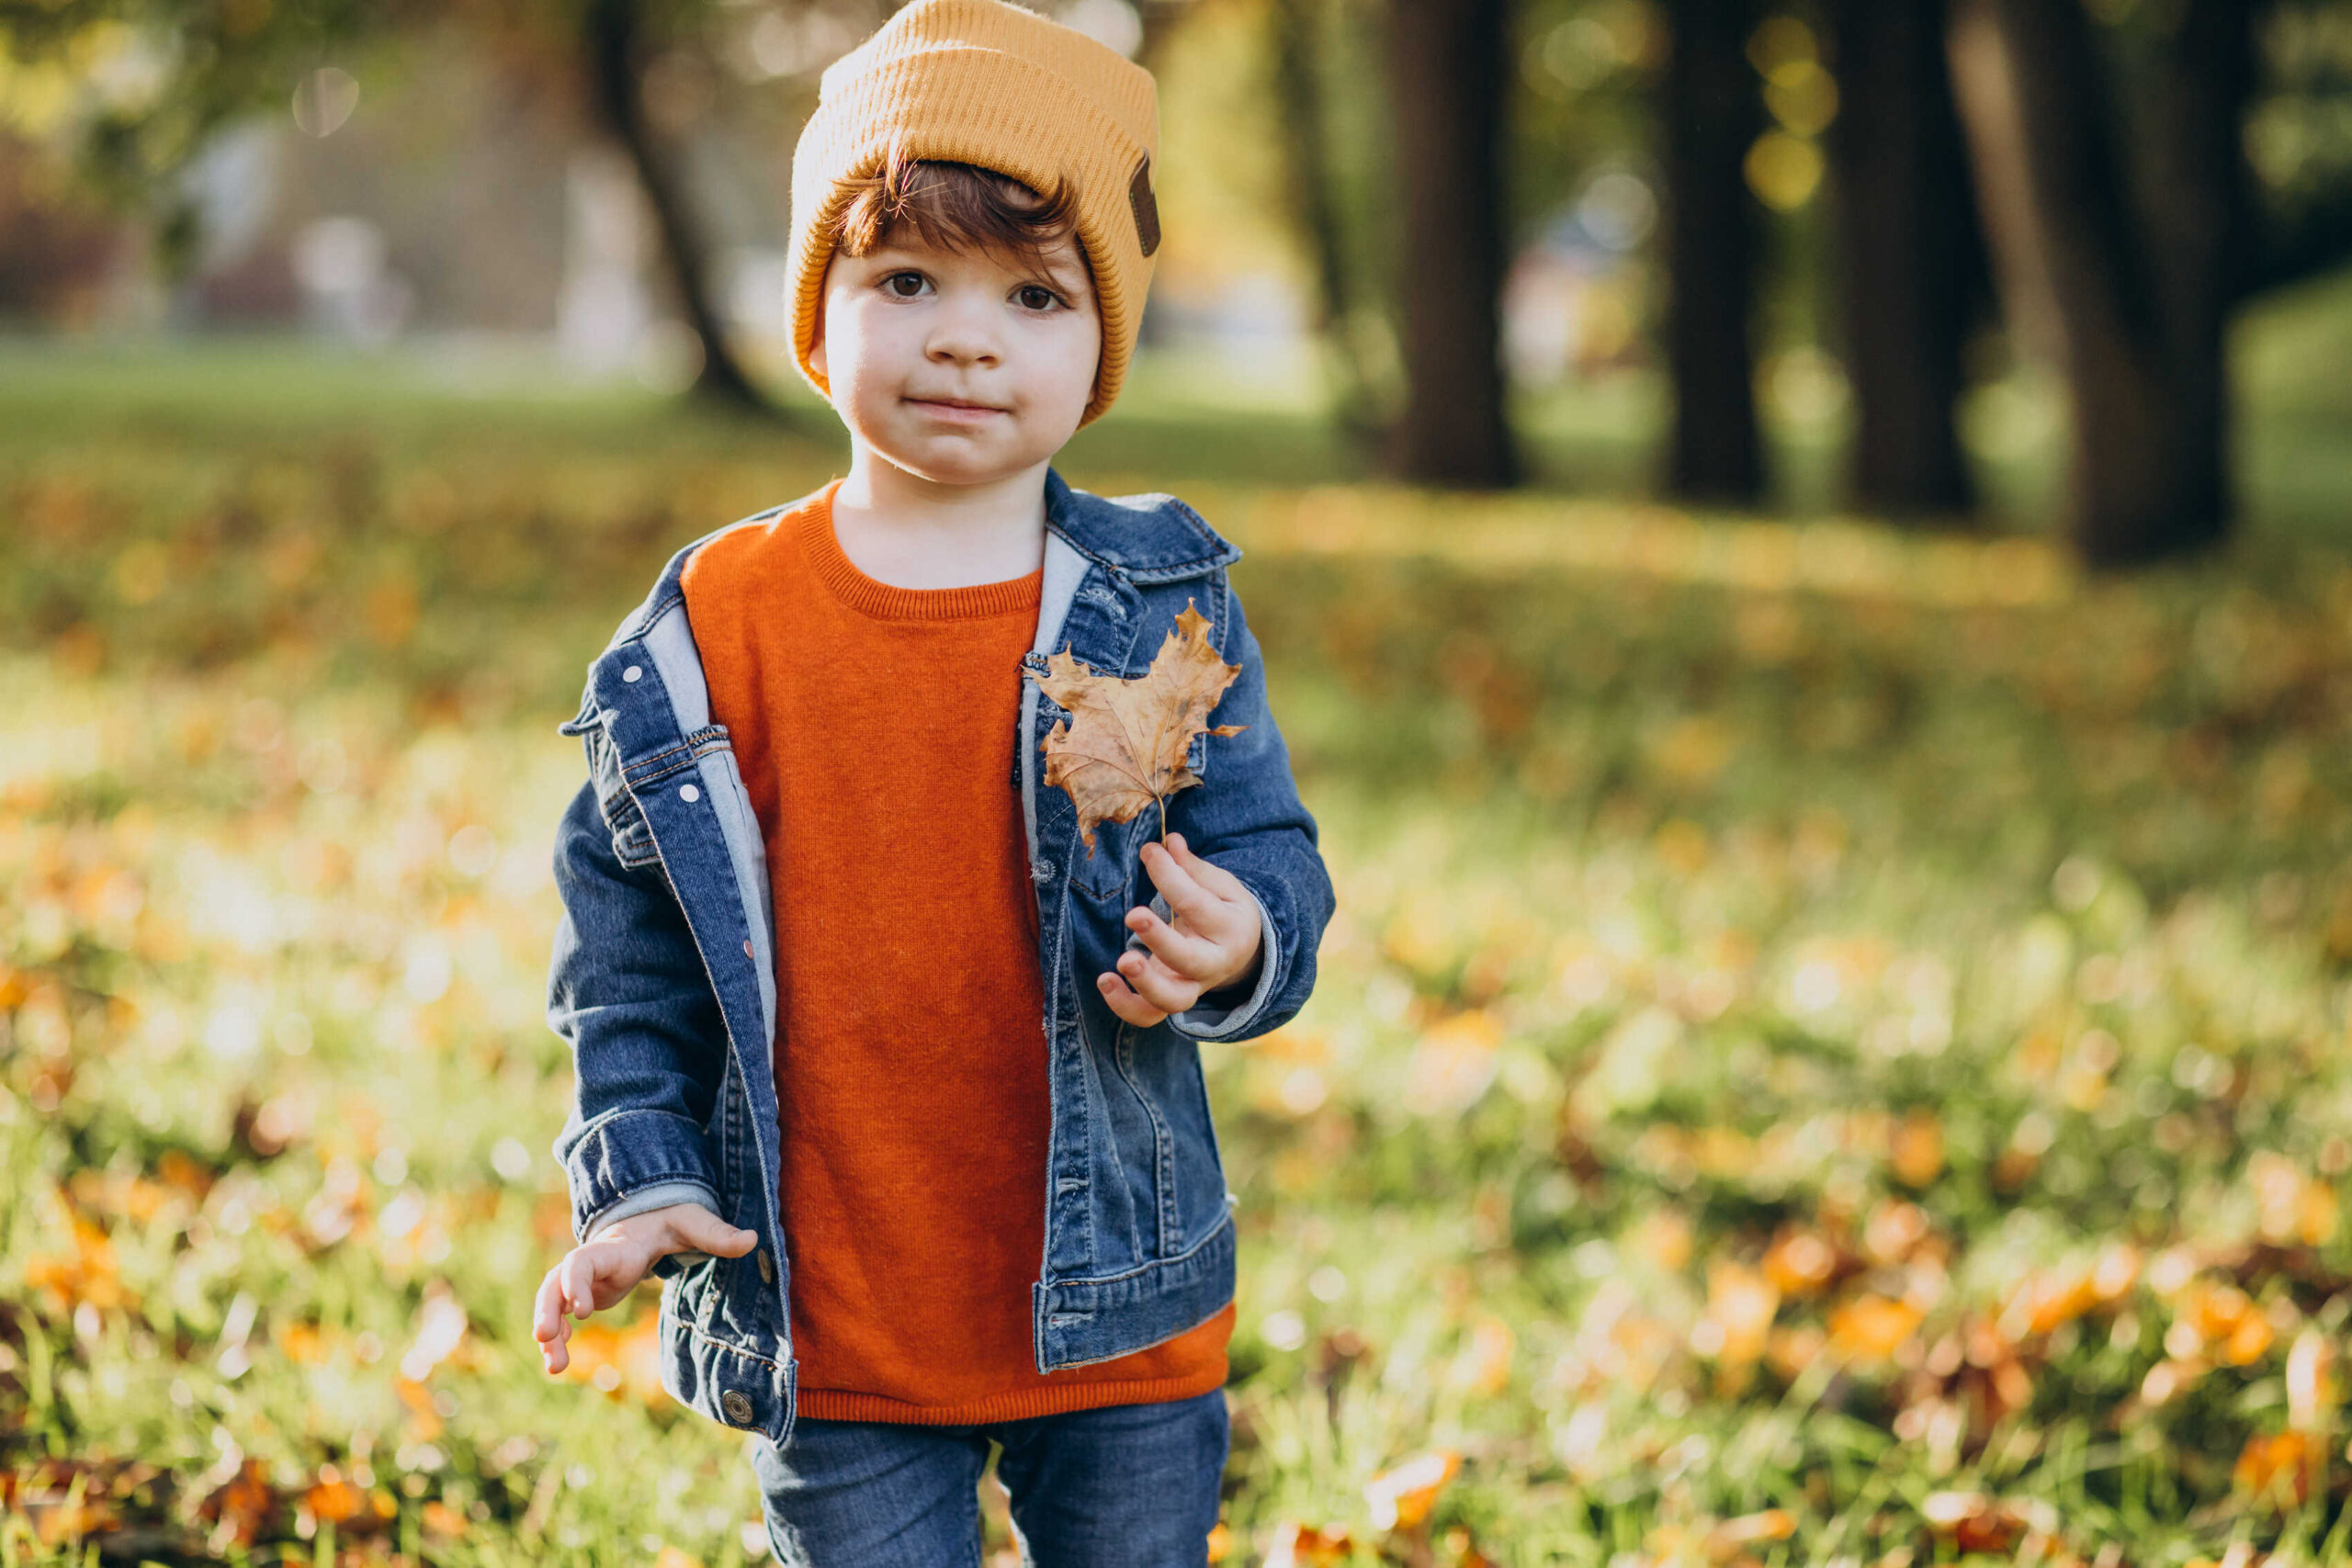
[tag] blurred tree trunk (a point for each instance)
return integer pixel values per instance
(611, 30)
(1447, 75)
(1912, 254)
(2122, 275)
(1711, 119)
(1300, 102)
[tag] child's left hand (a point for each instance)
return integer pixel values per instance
(1214, 943)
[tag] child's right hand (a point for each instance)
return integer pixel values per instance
(598, 1273)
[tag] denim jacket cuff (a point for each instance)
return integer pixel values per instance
(624, 1155)
(660, 1195)
(1216, 1022)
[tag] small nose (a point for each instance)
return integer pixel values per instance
(961, 339)
(962, 348)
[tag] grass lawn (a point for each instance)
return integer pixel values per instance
(1833, 1048)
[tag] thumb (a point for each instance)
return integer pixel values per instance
(1207, 871)
(706, 1232)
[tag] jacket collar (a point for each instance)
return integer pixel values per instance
(1151, 538)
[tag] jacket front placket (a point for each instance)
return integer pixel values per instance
(663, 767)
(1099, 628)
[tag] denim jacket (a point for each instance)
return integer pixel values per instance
(662, 977)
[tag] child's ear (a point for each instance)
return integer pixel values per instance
(817, 328)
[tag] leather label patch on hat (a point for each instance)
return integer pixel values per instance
(1146, 207)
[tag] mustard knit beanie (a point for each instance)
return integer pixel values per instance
(993, 84)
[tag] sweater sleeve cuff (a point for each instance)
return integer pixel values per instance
(660, 1195)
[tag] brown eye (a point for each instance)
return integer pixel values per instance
(905, 284)
(1038, 297)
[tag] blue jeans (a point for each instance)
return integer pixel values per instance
(1133, 1485)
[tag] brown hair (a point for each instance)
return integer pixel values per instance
(954, 207)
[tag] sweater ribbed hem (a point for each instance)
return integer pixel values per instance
(841, 1405)
(887, 602)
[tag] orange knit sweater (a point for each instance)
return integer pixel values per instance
(873, 726)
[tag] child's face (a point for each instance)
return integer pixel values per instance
(960, 367)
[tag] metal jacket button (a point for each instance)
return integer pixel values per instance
(689, 794)
(767, 1264)
(631, 674)
(737, 1405)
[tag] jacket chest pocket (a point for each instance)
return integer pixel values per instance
(1113, 867)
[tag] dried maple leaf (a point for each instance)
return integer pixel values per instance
(1125, 746)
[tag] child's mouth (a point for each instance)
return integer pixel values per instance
(959, 412)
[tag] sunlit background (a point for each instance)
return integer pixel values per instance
(1803, 553)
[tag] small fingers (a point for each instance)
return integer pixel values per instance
(1196, 903)
(1160, 986)
(1207, 873)
(1124, 1002)
(1185, 954)
(549, 1327)
(706, 1232)
(579, 1282)
(546, 1310)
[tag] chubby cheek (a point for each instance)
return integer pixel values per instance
(861, 367)
(1081, 357)
(874, 412)
(1060, 398)
(878, 370)
(864, 400)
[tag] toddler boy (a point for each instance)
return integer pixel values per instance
(879, 1066)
